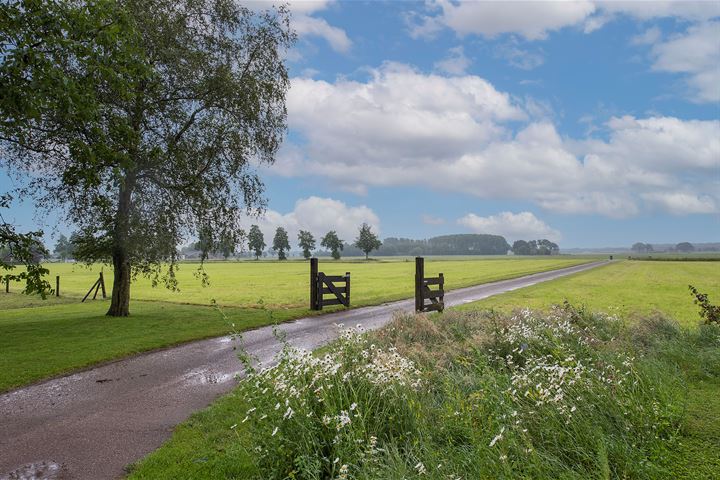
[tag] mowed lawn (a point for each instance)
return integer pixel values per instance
(42, 338)
(205, 445)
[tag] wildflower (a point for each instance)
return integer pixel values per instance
(274, 432)
(353, 406)
(420, 468)
(499, 436)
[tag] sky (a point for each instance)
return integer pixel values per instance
(588, 123)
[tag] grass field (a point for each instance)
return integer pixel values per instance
(627, 288)
(42, 338)
(457, 425)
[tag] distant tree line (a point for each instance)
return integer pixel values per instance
(535, 247)
(682, 247)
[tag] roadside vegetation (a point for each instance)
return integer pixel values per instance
(49, 337)
(557, 392)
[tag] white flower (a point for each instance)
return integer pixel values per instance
(274, 432)
(420, 468)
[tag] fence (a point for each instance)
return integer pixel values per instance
(99, 283)
(321, 285)
(423, 291)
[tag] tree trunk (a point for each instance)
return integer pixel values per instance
(120, 301)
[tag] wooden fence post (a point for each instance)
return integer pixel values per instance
(57, 286)
(313, 283)
(419, 277)
(441, 298)
(7, 284)
(347, 289)
(102, 284)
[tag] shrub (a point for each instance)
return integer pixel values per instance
(709, 312)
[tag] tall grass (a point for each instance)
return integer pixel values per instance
(566, 394)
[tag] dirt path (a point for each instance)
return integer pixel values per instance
(92, 424)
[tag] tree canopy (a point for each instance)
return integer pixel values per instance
(306, 241)
(143, 120)
(367, 241)
(332, 242)
(256, 241)
(535, 247)
(281, 243)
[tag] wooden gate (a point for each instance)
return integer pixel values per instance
(99, 283)
(321, 285)
(423, 291)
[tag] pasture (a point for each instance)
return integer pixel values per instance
(664, 424)
(42, 338)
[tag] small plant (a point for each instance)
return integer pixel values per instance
(709, 312)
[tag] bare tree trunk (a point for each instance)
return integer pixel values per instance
(120, 301)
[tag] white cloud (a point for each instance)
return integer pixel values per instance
(697, 54)
(460, 134)
(456, 63)
(305, 24)
(534, 20)
(648, 37)
(513, 226)
(319, 216)
(682, 203)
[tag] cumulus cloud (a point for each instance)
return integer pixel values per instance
(460, 134)
(697, 54)
(680, 203)
(534, 20)
(518, 57)
(319, 216)
(512, 226)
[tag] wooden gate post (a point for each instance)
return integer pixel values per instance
(419, 276)
(57, 286)
(347, 289)
(102, 284)
(314, 284)
(7, 284)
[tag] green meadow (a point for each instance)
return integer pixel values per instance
(42, 338)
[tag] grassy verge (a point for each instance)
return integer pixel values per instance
(41, 338)
(463, 395)
(656, 414)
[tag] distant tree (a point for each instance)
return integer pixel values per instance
(546, 247)
(367, 241)
(256, 241)
(640, 247)
(142, 120)
(332, 242)
(306, 241)
(22, 249)
(64, 248)
(684, 247)
(521, 247)
(281, 243)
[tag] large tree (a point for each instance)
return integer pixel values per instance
(306, 241)
(256, 241)
(281, 243)
(143, 119)
(367, 241)
(332, 242)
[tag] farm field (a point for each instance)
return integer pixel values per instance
(627, 288)
(682, 363)
(42, 338)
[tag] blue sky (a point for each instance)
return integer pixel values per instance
(590, 123)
